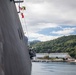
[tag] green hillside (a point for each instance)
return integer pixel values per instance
(62, 44)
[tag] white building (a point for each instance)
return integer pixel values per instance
(53, 55)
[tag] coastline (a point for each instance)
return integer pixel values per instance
(57, 60)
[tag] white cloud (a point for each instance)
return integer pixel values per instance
(41, 37)
(41, 14)
(65, 31)
(41, 26)
(47, 38)
(55, 11)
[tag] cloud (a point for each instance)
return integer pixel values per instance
(52, 11)
(42, 14)
(39, 27)
(41, 37)
(65, 31)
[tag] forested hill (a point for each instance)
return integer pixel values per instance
(62, 44)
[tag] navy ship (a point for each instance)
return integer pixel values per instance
(14, 54)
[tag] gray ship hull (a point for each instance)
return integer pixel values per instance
(14, 55)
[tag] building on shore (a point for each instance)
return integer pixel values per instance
(53, 55)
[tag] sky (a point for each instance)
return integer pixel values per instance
(48, 19)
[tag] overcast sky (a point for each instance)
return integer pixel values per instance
(49, 19)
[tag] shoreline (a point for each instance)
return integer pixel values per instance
(39, 60)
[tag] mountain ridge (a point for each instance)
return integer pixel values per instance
(62, 44)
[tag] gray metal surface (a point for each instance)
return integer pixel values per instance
(14, 56)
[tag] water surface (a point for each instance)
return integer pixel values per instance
(53, 68)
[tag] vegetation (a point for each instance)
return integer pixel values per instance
(62, 44)
(46, 57)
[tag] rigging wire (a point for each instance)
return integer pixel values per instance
(24, 23)
(26, 28)
(21, 11)
(26, 32)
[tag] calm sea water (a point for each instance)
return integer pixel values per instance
(53, 68)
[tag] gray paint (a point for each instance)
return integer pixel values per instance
(14, 55)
